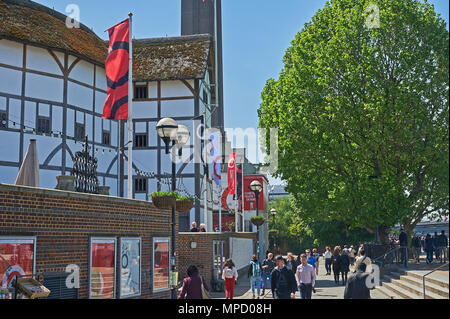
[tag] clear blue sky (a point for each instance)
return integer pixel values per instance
(256, 34)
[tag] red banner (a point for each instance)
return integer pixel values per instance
(102, 269)
(117, 67)
(16, 259)
(249, 196)
(232, 174)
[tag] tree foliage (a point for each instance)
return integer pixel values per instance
(298, 235)
(363, 114)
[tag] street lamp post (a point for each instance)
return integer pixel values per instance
(273, 212)
(169, 131)
(256, 188)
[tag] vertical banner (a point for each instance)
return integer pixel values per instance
(103, 252)
(239, 184)
(215, 153)
(117, 72)
(16, 258)
(160, 264)
(232, 174)
(249, 196)
(130, 267)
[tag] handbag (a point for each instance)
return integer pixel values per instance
(205, 293)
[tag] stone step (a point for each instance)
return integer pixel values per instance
(437, 289)
(388, 293)
(414, 291)
(429, 280)
(400, 292)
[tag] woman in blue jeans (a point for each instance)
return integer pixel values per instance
(255, 272)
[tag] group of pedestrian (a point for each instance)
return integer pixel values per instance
(433, 246)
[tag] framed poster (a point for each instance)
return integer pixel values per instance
(17, 258)
(130, 267)
(102, 268)
(161, 258)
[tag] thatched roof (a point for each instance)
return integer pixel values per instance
(171, 58)
(29, 22)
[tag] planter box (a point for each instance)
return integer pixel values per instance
(258, 222)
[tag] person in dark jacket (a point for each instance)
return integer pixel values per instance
(441, 247)
(335, 264)
(357, 287)
(194, 228)
(403, 241)
(429, 248)
(416, 246)
(344, 266)
(283, 282)
(192, 285)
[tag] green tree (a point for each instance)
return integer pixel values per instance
(362, 112)
(296, 235)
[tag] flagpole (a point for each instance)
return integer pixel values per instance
(130, 112)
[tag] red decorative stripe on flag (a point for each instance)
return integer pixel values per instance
(117, 67)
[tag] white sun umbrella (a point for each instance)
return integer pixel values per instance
(29, 171)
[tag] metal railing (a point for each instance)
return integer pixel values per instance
(393, 256)
(424, 277)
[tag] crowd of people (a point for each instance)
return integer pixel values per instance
(433, 246)
(298, 273)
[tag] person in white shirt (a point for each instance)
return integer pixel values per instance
(364, 259)
(306, 278)
(230, 275)
(327, 255)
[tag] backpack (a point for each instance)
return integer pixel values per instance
(228, 272)
(256, 269)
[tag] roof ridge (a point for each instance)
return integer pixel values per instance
(183, 38)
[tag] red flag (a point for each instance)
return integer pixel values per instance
(117, 67)
(231, 174)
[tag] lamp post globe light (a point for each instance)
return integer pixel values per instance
(256, 187)
(169, 131)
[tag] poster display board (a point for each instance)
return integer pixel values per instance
(17, 258)
(102, 265)
(130, 267)
(161, 263)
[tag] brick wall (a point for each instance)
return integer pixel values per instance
(202, 256)
(63, 223)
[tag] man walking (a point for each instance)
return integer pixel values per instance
(268, 266)
(403, 241)
(442, 243)
(357, 284)
(416, 246)
(283, 283)
(306, 278)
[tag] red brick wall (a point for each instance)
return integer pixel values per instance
(202, 256)
(64, 222)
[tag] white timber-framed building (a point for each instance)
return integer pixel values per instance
(53, 88)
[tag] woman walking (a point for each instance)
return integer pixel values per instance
(335, 264)
(327, 255)
(344, 265)
(192, 285)
(316, 255)
(230, 276)
(254, 272)
(291, 262)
